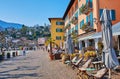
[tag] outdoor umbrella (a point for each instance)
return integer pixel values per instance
(70, 45)
(109, 56)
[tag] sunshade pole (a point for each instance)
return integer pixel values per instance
(109, 73)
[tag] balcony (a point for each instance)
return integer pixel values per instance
(86, 27)
(74, 33)
(74, 20)
(67, 26)
(86, 9)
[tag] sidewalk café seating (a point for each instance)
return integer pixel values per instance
(77, 63)
(98, 75)
(86, 65)
(97, 64)
(57, 53)
(82, 70)
(74, 60)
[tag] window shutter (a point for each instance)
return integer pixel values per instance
(91, 1)
(100, 12)
(113, 14)
(76, 15)
(86, 19)
(91, 19)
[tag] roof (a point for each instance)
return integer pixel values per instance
(68, 8)
(53, 18)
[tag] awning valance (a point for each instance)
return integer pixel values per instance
(115, 30)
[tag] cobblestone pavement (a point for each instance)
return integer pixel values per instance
(35, 65)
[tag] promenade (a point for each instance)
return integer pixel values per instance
(35, 65)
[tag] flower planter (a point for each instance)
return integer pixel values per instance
(51, 56)
(57, 56)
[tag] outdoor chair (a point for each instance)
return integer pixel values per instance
(77, 63)
(99, 75)
(86, 65)
(74, 60)
(82, 70)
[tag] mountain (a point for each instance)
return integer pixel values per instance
(4, 25)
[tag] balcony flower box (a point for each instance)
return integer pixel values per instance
(67, 27)
(74, 20)
(86, 27)
(85, 9)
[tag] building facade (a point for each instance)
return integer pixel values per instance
(83, 17)
(57, 34)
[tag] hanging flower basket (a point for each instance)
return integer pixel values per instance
(86, 27)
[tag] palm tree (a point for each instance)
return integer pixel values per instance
(50, 41)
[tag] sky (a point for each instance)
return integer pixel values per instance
(31, 12)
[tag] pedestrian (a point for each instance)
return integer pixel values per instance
(24, 52)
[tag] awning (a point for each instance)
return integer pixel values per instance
(115, 30)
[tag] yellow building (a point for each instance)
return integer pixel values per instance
(57, 34)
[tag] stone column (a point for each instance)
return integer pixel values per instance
(80, 45)
(86, 43)
(96, 42)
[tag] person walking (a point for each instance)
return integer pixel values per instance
(24, 51)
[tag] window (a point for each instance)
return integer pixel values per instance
(59, 23)
(76, 28)
(58, 37)
(59, 30)
(81, 23)
(112, 14)
(72, 29)
(87, 19)
(90, 2)
(91, 19)
(76, 14)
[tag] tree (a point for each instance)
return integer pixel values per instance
(50, 41)
(24, 30)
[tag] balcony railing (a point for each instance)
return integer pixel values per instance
(85, 9)
(67, 26)
(86, 27)
(74, 20)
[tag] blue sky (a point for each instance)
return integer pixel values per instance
(31, 12)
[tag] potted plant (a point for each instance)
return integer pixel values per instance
(65, 57)
(50, 41)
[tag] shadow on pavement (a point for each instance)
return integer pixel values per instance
(21, 68)
(7, 76)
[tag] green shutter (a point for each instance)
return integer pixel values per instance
(86, 19)
(113, 14)
(91, 19)
(100, 12)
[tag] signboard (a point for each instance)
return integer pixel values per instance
(41, 41)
